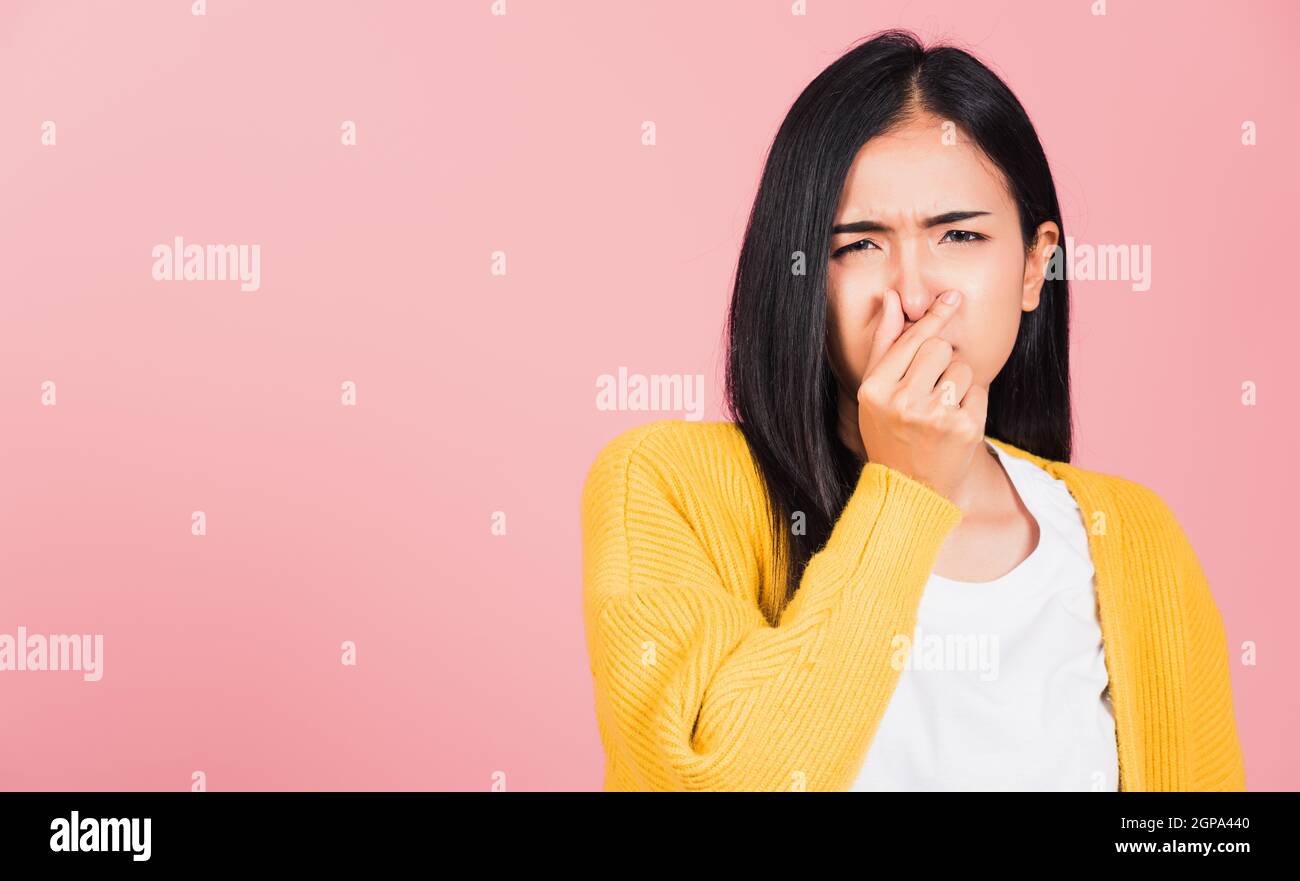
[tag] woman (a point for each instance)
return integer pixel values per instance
(883, 573)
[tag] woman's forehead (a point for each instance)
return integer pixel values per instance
(904, 174)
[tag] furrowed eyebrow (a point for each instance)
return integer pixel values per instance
(937, 220)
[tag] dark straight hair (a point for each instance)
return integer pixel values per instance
(781, 391)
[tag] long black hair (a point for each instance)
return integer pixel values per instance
(781, 391)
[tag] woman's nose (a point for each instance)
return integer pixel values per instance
(915, 280)
(917, 300)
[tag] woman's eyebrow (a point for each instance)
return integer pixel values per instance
(874, 226)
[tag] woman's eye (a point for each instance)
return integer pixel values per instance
(964, 236)
(864, 245)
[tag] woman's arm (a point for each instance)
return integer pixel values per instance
(694, 689)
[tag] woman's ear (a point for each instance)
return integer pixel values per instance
(1040, 255)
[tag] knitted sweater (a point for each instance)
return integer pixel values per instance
(696, 689)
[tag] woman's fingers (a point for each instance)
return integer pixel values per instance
(919, 411)
(976, 407)
(890, 326)
(954, 383)
(893, 364)
(932, 358)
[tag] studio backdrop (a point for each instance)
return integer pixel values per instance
(315, 315)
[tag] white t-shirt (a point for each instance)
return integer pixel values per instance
(1005, 684)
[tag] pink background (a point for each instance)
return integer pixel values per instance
(476, 393)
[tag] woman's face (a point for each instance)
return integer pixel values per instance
(930, 216)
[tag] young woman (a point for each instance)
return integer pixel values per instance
(883, 574)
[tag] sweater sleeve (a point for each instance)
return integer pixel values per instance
(694, 689)
(1214, 757)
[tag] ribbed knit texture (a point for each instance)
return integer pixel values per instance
(696, 690)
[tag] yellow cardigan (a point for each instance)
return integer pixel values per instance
(696, 689)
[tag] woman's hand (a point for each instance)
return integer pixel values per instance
(918, 411)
